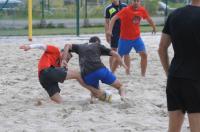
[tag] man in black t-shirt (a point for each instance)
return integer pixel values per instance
(91, 66)
(110, 11)
(182, 29)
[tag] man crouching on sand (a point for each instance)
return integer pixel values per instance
(52, 68)
(92, 68)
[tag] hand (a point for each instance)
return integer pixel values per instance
(108, 36)
(125, 67)
(122, 64)
(25, 47)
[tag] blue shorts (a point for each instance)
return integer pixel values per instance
(102, 74)
(125, 46)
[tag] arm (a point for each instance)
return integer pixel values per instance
(162, 51)
(111, 24)
(33, 46)
(106, 26)
(66, 55)
(150, 21)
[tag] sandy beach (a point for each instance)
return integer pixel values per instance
(145, 110)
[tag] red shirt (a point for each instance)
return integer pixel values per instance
(130, 22)
(51, 57)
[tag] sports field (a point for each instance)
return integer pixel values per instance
(145, 110)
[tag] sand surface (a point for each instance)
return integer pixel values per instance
(20, 90)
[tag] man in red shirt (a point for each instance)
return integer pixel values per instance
(130, 18)
(110, 11)
(53, 69)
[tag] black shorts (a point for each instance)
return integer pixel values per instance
(183, 94)
(114, 41)
(50, 77)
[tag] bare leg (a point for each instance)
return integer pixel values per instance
(176, 119)
(194, 121)
(57, 98)
(127, 62)
(75, 75)
(119, 87)
(143, 63)
(115, 64)
(111, 59)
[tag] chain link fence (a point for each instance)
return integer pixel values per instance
(62, 13)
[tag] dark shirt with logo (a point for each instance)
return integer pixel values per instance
(110, 11)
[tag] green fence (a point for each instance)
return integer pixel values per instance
(61, 14)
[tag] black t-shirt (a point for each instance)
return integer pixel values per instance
(110, 11)
(89, 56)
(183, 26)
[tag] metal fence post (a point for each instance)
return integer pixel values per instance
(42, 9)
(30, 20)
(86, 21)
(77, 18)
(48, 5)
(166, 9)
(43, 21)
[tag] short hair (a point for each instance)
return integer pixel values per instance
(95, 39)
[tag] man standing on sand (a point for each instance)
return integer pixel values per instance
(52, 68)
(130, 18)
(110, 11)
(182, 29)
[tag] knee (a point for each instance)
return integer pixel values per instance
(57, 98)
(118, 85)
(58, 101)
